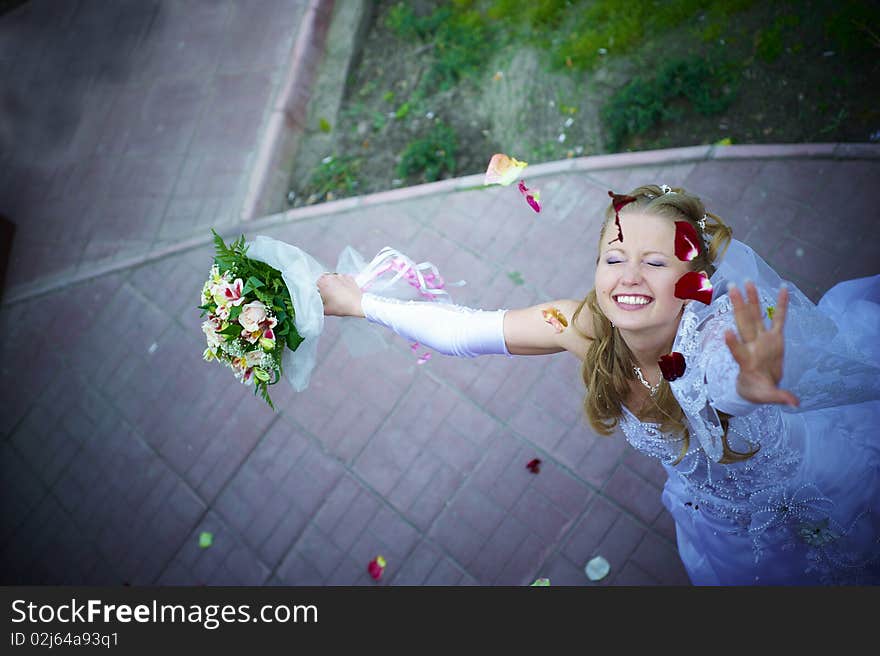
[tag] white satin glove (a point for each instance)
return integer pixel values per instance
(448, 329)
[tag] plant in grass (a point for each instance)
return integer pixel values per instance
(430, 156)
(337, 176)
(457, 40)
(708, 86)
(769, 42)
(250, 317)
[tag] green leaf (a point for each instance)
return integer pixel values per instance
(324, 125)
(235, 312)
(294, 340)
(206, 539)
(232, 330)
(252, 284)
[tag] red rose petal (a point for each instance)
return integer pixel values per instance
(687, 242)
(531, 198)
(375, 569)
(618, 202)
(533, 203)
(694, 285)
(534, 466)
(672, 366)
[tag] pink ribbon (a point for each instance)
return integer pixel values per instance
(424, 277)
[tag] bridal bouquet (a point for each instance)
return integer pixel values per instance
(263, 305)
(250, 317)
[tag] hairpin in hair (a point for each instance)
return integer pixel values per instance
(665, 189)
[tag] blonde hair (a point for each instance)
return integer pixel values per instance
(608, 365)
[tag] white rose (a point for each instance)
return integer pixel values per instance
(253, 358)
(252, 315)
(210, 330)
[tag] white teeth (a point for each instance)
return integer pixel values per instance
(633, 300)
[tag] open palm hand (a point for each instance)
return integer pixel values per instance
(758, 350)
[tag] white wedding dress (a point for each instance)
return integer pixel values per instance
(805, 510)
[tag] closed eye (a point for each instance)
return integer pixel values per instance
(656, 264)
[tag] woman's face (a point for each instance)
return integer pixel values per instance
(635, 279)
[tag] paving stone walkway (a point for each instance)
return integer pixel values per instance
(119, 445)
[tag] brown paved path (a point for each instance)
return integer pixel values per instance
(119, 445)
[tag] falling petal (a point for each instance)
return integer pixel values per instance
(532, 196)
(694, 285)
(534, 466)
(597, 569)
(206, 539)
(687, 242)
(376, 567)
(532, 200)
(555, 318)
(540, 583)
(672, 366)
(503, 170)
(425, 357)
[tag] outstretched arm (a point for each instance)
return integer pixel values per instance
(455, 330)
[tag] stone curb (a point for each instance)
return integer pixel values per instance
(287, 120)
(838, 151)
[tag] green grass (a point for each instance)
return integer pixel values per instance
(577, 34)
(853, 27)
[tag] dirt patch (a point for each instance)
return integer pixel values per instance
(793, 79)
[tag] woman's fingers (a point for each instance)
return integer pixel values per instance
(737, 348)
(783, 397)
(789, 399)
(781, 311)
(741, 314)
(754, 306)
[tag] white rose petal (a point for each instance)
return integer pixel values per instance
(597, 569)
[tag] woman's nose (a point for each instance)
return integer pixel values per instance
(631, 274)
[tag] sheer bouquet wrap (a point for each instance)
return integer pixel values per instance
(265, 315)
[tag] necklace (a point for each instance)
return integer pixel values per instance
(651, 388)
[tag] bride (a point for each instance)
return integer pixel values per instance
(763, 407)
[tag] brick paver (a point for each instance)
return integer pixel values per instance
(119, 445)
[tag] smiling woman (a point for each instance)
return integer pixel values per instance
(638, 300)
(772, 479)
